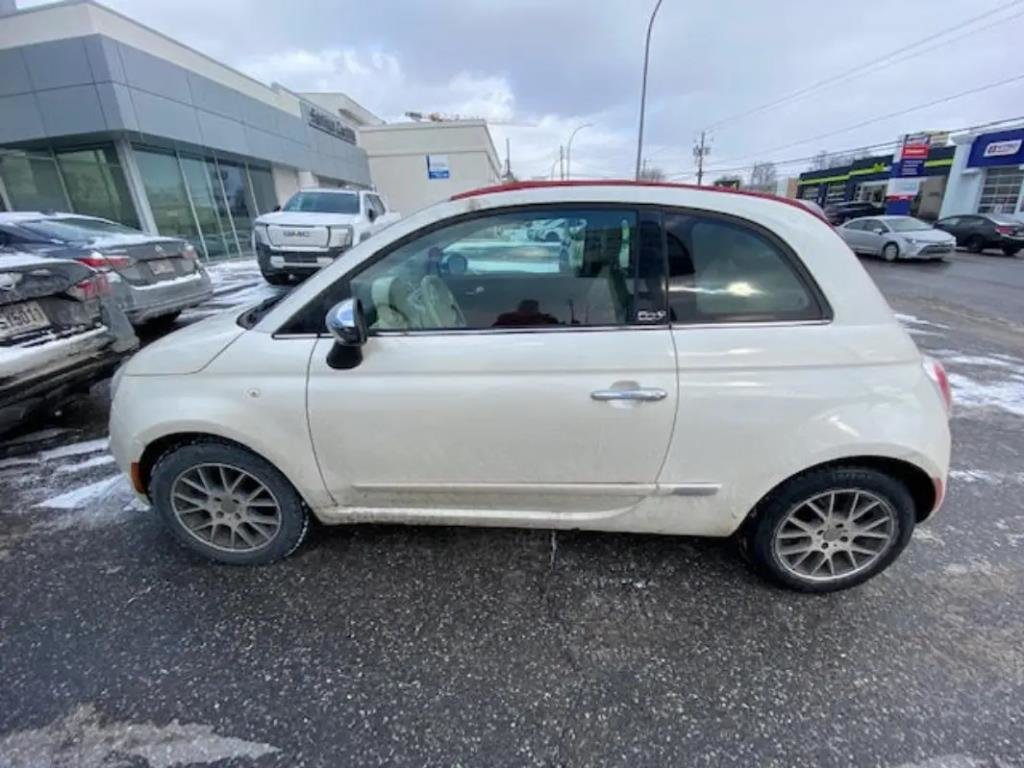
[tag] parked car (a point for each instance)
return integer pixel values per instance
(60, 332)
(837, 213)
(153, 278)
(976, 232)
(813, 207)
(313, 228)
(710, 363)
(897, 237)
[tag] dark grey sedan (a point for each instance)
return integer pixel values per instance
(153, 278)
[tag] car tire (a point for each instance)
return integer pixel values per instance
(197, 490)
(1011, 250)
(975, 244)
(867, 502)
(277, 278)
(891, 252)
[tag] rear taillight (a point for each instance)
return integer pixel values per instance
(939, 378)
(104, 262)
(91, 288)
(1005, 230)
(189, 252)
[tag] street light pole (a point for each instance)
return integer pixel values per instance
(568, 147)
(643, 89)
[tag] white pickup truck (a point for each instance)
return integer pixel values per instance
(313, 228)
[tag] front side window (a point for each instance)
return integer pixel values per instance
(721, 270)
(323, 202)
(488, 272)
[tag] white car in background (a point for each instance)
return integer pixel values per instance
(707, 363)
(313, 228)
(896, 237)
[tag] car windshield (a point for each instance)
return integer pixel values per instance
(907, 224)
(74, 228)
(323, 202)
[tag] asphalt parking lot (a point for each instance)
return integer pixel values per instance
(474, 647)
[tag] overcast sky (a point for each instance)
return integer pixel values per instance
(538, 68)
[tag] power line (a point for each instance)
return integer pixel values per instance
(880, 63)
(849, 150)
(880, 118)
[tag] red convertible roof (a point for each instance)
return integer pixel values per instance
(518, 185)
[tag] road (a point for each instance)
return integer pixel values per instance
(465, 647)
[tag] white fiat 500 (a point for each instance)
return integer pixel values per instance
(672, 360)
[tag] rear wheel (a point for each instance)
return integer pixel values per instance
(975, 244)
(228, 504)
(830, 529)
(890, 252)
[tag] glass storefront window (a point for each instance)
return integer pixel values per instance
(263, 188)
(1001, 190)
(165, 189)
(211, 211)
(96, 185)
(236, 192)
(32, 182)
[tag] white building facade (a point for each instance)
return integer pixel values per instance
(987, 175)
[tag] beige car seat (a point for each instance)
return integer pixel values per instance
(393, 300)
(437, 304)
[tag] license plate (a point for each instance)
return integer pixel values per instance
(161, 267)
(20, 318)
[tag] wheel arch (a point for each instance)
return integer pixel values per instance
(924, 490)
(165, 443)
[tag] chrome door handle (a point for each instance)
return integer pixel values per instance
(641, 394)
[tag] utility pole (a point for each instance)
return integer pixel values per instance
(508, 160)
(700, 151)
(561, 162)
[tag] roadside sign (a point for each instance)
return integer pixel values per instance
(437, 167)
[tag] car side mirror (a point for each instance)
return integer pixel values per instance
(346, 322)
(371, 214)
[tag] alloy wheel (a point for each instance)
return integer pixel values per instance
(225, 507)
(835, 534)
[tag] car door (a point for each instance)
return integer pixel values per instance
(553, 390)
(874, 234)
(853, 234)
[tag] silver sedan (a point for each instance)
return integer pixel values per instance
(896, 237)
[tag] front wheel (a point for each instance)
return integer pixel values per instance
(276, 278)
(830, 529)
(891, 252)
(228, 504)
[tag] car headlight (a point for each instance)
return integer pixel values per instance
(341, 237)
(259, 235)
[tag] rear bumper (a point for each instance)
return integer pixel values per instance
(52, 378)
(146, 302)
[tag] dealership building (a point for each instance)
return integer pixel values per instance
(101, 115)
(987, 174)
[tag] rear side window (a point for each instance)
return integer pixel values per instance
(725, 271)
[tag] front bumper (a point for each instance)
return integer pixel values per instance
(59, 371)
(283, 262)
(146, 302)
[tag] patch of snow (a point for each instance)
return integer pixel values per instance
(95, 461)
(912, 320)
(1001, 361)
(87, 740)
(1007, 393)
(195, 277)
(81, 496)
(984, 476)
(75, 449)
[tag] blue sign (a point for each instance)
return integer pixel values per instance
(999, 148)
(437, 167)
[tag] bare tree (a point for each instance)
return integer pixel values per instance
(764, 177)
(652, 173)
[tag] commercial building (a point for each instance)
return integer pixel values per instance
(415, 164)
(987, 175)
(104, 116)
(867, 179)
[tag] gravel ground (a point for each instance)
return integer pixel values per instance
(464, 647)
